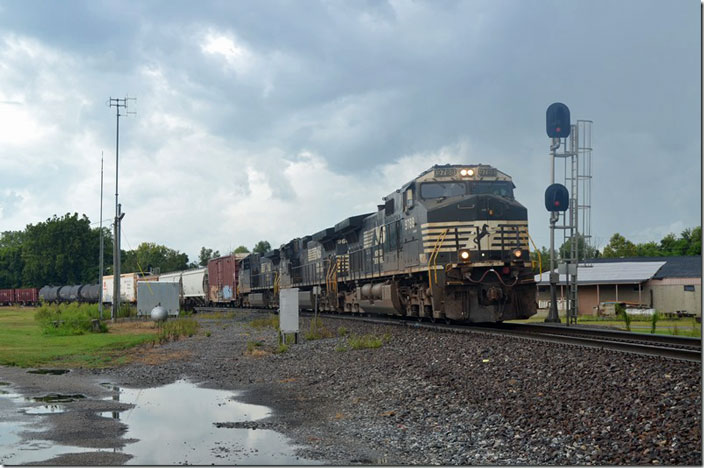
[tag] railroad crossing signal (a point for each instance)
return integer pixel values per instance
(557, 198)
(557, 120)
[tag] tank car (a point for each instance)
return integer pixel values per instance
(451, 244)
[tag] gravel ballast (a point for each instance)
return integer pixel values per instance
(427, 397)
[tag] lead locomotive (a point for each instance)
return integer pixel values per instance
(451, 244)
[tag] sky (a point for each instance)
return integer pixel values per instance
(270, 120)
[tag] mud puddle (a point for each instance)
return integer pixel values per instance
(179, 423)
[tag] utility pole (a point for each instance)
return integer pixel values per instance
(117, 103)
(100, 261)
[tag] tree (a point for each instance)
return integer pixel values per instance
(262, 247)
(241, 249)
(61, 251)
(695, 242)
(648, 249)
(11, 263)
(149, 255)
(205, 255)
(542, 261)
(619, 246)
(584, 249)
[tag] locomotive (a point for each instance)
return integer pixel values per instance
(452, 244)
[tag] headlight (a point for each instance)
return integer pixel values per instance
(463, 172)
(470, 172)
(466, 172)
(464, 255)
(517, 253)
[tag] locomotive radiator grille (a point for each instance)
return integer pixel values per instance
(499, 235)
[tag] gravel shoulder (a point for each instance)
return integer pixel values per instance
(427, 397)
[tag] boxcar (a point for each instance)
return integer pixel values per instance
(27, 296)
(7, 296)
(222, 279)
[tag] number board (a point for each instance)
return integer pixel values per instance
(445, 172)
(487, 172)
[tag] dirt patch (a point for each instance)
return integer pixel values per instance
(133, 328)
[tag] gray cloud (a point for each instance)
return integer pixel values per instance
(225, 88)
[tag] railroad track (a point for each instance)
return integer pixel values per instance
(668, 346)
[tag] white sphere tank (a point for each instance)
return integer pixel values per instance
(159, 314)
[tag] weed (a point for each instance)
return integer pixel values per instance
(207, 334)
(271, 321)
(252, 345)
(364, 341)
(127, 310)
(174, 329)
(621, 312)
(282, 348)
(317, 331)
(654, 320)
(342, 331)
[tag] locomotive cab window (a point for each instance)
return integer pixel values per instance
(431, 190)
(499, 188)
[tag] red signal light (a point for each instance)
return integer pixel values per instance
(557, 203)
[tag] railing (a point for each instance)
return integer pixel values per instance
(434, 259)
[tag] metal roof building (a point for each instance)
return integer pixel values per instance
(609, 273)
(669, 284)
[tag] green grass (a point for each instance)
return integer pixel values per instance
(639, 324)
(23, 344)
(363, 342)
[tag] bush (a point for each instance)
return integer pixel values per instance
(68, 318)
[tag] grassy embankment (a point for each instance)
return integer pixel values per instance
(24, 343)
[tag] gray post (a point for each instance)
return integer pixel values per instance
(100, 262)
(116, 241)
(117, 103)
(553, 316)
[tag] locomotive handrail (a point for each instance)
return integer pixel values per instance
(540, 258)
(434, 257)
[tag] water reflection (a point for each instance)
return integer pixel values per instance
(175, 425)
(14, 450)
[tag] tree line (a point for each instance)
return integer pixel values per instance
(689, 242)
(65, 250)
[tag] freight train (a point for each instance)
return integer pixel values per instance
(452, 244)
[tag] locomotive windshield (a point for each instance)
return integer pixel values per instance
(499, 188)
(442, 189)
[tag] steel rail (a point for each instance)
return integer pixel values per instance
(668, 346)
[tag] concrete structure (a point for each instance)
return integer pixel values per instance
(670, 285)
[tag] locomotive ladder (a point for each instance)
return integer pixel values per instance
(434, 259)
